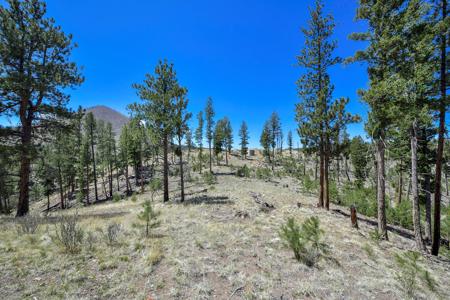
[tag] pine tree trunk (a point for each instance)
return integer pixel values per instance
(326, 185)
(136, 174)
(321, 176)
(94, 165)
(117, 169)
(181, 171)
(110, 180)
(210, 157)
(338, 171)
(127, 182)
(415, 190)
(166, 169)
(427, 184)
(408, 193)
(87, 185)
(61, 189)
(346, 168)
(400, 184)
(200, 156)
(440, 149)
(226, 157)
(25, 167)
(381, 191)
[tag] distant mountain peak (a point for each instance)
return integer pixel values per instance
(109, 115)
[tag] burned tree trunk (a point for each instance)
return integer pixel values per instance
(354, 217)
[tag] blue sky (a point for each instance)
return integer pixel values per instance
(241, 53)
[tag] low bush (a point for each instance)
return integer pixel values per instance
(28, 224)
(305, 240)
(91, 240)
(263, 173)
(112, 234)
(400, 215)
(116, 197)
(69, 234)
(149, 216)
(133, 197)
(243, 171)
(410, 273)
(363, 198)
(209, 178)
(309, 185)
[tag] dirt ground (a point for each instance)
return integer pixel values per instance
(219, 244)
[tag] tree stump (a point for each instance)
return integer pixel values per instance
(354, 217)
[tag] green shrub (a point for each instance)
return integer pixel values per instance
(243, 172)
(375, 236)
(334, 192)
(69, 233)
(263, 173)
(309, 185)
(209, 178)
(363, 198)
(410, 273)
(155, 184)
(116, 197)
(305, 241)
(400, 215)
(292, 167)
(133, 197)
(148, 215)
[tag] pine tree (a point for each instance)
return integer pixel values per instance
(290, 142)
(380, 55)
(158, 93)
(189, 142)
(124, 156)
(319, 119)
(359, 156)
(228, 138)
(33, 81)
(219, 138)
(276, 134)
(181, 127)
(265, 141)
(90, 128)
(442, 42)
(243, 134)
(209, 115)
(199, 138)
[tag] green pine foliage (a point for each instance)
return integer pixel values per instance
(244, 135)
(149, 216)
(306, 241)
(411, 276)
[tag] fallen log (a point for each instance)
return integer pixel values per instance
(406, 233)
(264, 205)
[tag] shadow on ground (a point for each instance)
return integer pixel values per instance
(207, 200)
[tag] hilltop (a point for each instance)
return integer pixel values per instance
(109, 115)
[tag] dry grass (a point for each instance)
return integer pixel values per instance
(202, 250)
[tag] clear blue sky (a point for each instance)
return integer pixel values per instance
(242, 53)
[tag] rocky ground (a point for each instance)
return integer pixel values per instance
(219, 244)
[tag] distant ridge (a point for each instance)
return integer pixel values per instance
(110, 115)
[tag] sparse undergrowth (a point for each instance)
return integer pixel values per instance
(201, 251)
